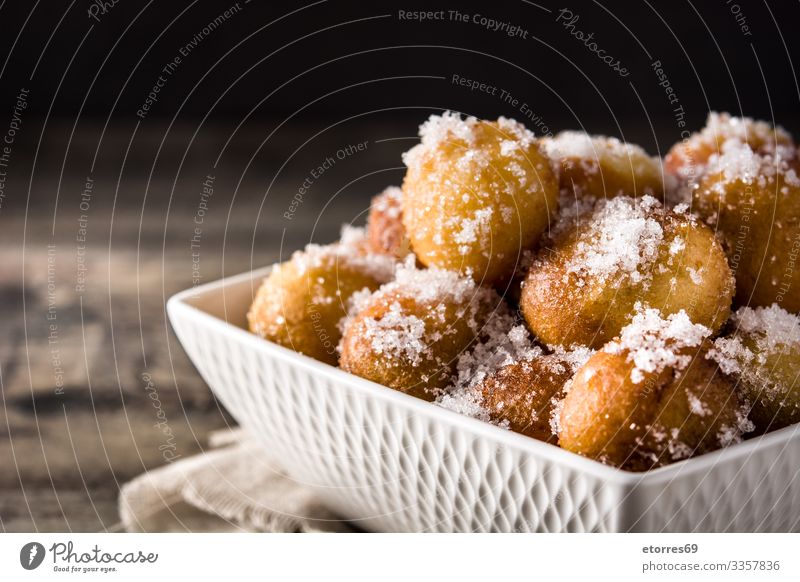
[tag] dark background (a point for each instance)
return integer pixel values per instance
(277, 87)
(258, 104)
(333, 59)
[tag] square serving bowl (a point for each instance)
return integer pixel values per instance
(391, 462)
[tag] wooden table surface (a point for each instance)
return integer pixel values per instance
(86, 345)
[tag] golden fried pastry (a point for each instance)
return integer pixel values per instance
(763, 353)
(594, 167)
(582, 291)
(688, 159)
(476, 195)
(753, 201)
(524, 394)
(409, 334)
(651, 398)
(571, 229)
(302, 300)
(385, 231)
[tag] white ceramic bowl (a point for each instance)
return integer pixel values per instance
(391, 462)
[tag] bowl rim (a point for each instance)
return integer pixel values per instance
(182, 305)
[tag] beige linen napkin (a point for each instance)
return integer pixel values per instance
(232, 487)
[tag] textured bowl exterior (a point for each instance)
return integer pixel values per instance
(390, 462)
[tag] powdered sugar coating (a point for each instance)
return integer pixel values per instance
(573, 213)
(595, 167)
(350, 251)
(476, 195)
(762, 351)
(724, 126)
(398, 334)
(654, 343)
(505, 342)
(574, 357)
(692, 159)
(355, 304)
(449, 126)
(578, 144)
(731, 434)
(738, 163)
(410, 332)
(624, 240)
(435, 285)
(752, 199)
(583, 287)
(500, 367)
(721, 128)
(775, 327)
(389, 202)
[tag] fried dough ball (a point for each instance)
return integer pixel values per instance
(763, 353)
(583, 290)
(526, 393)
(385, 231)
(476, 194)
(302, 300)
(507, 380)
(651, 398)
(409, 334)
(753, 201)
(688, 159)
(503, 341)
(594, 167)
